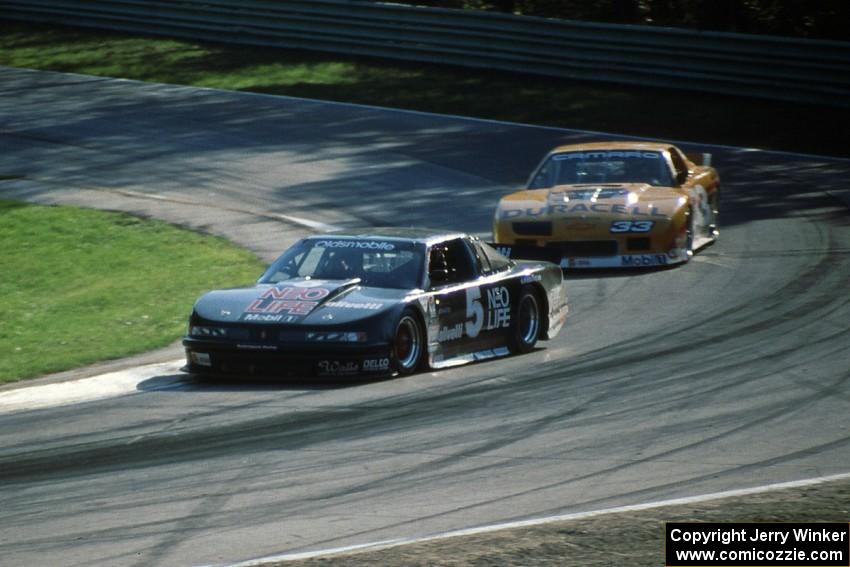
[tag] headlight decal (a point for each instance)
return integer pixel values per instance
(208, 331)
(337, 336)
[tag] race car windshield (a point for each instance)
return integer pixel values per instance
(378, 263)
(578, 168)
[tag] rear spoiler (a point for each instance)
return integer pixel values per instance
(700, 159)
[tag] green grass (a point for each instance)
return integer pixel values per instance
(602, 107)
(78, 285)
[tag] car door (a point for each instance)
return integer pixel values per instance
(497, 293)
(450, 271)
(473, 306)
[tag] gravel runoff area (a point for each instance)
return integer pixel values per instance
(634, 538)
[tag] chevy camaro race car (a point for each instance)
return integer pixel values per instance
(378, 303)
(611, 205)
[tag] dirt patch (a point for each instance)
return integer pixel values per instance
(631, 538)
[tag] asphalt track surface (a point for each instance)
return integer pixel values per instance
(726, 373)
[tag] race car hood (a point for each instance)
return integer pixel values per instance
(591, 202)
(301, 301)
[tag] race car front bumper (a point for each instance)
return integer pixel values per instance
(557, 255)
(292, 361)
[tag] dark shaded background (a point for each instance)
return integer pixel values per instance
(823, 19)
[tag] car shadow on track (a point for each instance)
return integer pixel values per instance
(195, 383)
(597, 273)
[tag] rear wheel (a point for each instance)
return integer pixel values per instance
(408, 344)
(525, 329)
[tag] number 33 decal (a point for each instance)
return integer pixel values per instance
(631, 226)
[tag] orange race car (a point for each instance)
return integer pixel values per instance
(611, 205)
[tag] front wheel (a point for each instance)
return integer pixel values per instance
(408, 344)
(525, 329)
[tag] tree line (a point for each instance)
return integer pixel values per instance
(815, 19)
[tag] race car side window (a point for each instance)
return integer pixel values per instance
(462, 258)
(450, 262)
(497, 261)
(679, 165)
(480, 258)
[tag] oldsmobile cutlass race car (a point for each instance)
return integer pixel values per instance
(611, 205)
(377, 303)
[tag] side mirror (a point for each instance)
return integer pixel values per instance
(681, 177)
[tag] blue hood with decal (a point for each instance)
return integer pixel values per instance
(298, 301)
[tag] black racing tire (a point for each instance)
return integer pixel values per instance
(408, 343)
(526, 323)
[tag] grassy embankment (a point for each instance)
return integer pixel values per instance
(601, 107)
(78, 286)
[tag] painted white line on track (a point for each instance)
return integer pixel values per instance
(100, 387)
(386, 544)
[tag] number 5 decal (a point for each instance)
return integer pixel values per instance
(631, 226)
(474, 312)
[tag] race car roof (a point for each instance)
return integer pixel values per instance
(624, 146)
(425, 235)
